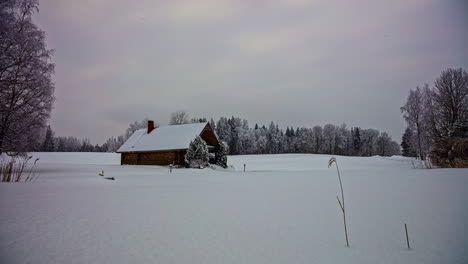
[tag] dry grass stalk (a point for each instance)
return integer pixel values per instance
(14, 170)
(341, 202)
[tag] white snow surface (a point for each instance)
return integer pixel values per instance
(283, 209)
(163, 138)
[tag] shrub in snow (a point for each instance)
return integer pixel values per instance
(197, 155)
(450, 153)
(221, 155)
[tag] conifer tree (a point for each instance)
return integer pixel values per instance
(407, 143)
(197, 155)
(48, 145)
(356, 141)
(221, 155)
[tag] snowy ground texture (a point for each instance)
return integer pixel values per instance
(282, 210)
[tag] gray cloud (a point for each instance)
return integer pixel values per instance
(297, 62)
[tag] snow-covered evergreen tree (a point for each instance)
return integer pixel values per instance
(197, 155)
(198, 120)
(86, 146)
(356, 141)
(223, 130)
(213, 124)
(221, 155)
(49, 144)
(60, 145)
(407, 143)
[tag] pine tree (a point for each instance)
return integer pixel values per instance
(197, 155)
(221, 155)
(61, 145)
(86, 146)
(48, 145)
(213, 124)
(356, 141)
(407, 143)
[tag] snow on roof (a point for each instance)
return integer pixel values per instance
(163, 138)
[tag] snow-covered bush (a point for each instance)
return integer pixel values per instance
(197, 155)
(221, 155)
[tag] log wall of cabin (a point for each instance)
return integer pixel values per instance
(176, 157)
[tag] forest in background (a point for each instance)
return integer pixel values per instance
(259, 139)
(437, 116)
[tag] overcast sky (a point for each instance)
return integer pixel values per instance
(297, 62)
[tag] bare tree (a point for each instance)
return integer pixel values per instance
(450, 98)
(413, 114)
(368, 141)
(431, 121)
(179, 118)
(137, 125)
(26, 87)
(383, 143)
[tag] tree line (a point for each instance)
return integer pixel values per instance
(329, 139)
(243, 139)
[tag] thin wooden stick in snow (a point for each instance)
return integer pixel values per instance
(407, 239)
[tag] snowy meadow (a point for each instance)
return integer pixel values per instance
(283, 209)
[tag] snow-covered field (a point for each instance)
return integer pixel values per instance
(282, 210)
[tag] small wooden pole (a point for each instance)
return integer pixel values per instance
(407, 239)
(244, 167)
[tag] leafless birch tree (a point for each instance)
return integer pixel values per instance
(26, 87)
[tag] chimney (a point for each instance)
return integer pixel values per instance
(150, 126)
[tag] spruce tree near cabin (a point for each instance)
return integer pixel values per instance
(197, 155)
(221, 155)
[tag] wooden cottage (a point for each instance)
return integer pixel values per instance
(164, 145)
